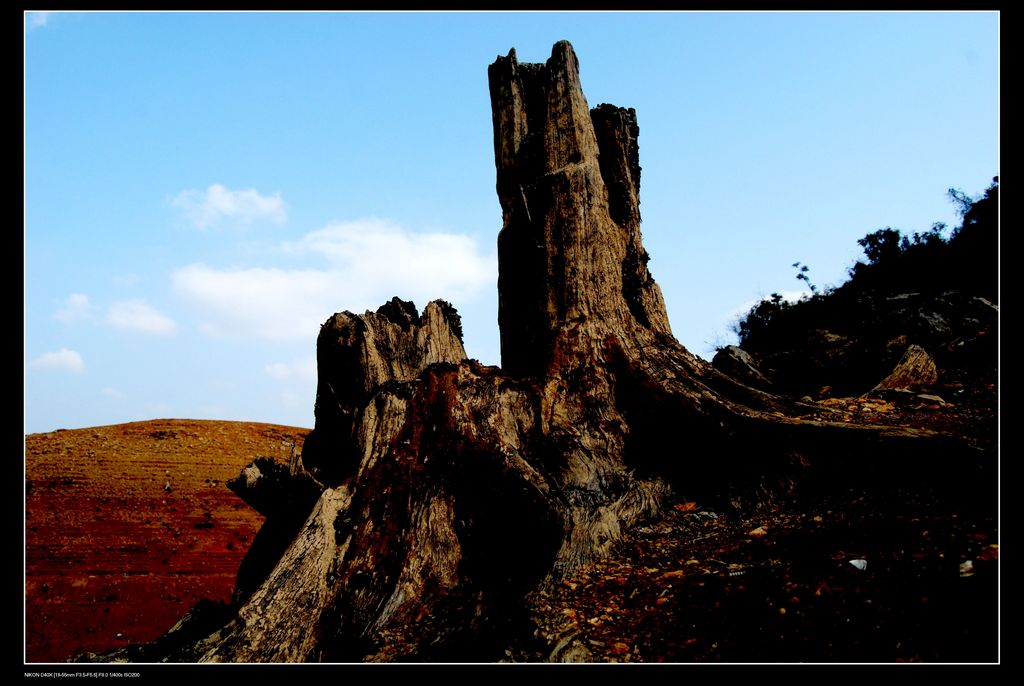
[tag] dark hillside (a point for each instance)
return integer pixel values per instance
(927, 290)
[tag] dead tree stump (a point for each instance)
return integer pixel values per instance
(434, 491)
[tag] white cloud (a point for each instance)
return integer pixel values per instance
(38, 19)
(75, 309)
(273, 304)
(113, 393)
(302, 370)
(378, 250)
(63, 360)
(208, 208)
(369, 262)
(136, 315)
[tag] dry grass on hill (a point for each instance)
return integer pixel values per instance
(127, 526)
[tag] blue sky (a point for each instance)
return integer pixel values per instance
(203, 189)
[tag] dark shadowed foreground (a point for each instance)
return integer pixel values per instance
(444, 510)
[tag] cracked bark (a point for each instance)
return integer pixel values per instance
(438, 491)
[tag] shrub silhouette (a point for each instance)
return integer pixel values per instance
(806, 340)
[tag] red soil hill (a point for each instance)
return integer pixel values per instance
(127, 526)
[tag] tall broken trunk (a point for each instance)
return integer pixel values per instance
(435, 492)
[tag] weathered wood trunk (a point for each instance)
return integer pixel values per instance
(435, 492)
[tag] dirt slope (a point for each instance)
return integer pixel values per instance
(110, 551)
(127, 526)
